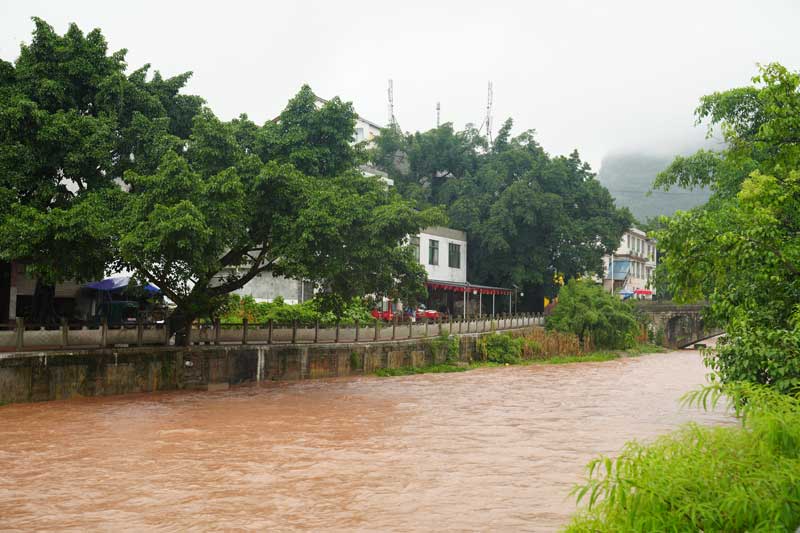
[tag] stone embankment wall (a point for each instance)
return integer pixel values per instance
(32, 377)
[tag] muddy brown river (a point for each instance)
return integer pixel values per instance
(494, 449)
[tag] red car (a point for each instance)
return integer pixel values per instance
(388, 315)
(426, 314)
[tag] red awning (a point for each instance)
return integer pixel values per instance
(644, 292)
(459, 287)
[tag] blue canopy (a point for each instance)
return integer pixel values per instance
(117, 283)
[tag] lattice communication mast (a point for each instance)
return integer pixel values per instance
(489, 114)
(487, 121)
(392, 119)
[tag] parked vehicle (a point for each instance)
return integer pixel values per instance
(423, 313)
(387, 315)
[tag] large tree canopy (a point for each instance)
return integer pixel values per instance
(529, 216)
(101, 169)
(234, 202)
(71, 123)
(741, 251)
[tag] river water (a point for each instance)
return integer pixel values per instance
(491, 449)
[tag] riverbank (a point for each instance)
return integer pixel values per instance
(593, 357)
(58, 375)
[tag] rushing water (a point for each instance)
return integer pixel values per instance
(491, 449)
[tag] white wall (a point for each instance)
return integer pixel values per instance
(365, 131)
(442, 271)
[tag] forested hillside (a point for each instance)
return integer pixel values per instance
(629, 177)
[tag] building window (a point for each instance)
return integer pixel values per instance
(359, 134)
(454, 256)
(415, 247)
(433, 252)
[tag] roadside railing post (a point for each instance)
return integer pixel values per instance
(439, 318)
(294, 331)
(357, 328)
(269, 330)
(449, 324)
(65, 332)
(394, 327)
(20, 333)
(410, 329)
(103, 332)
(460, 322)
(217, 328)
(167, 334)
(316, 331)
(337, 331)
(377, 329)
(244, 330)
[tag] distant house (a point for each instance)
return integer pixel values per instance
(443, 253)
(629, 270)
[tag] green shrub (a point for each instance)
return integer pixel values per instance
(446, 345)
(531, 348)
(744, 478)
(501, 348)
(586, 310)
(355, 361)
(238, 308)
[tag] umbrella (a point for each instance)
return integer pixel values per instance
(116, 283)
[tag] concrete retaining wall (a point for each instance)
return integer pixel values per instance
(32, 377)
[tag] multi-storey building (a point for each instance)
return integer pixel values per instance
(629, 270)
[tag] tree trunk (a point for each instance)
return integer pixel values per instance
(44, 309)
(180, 323)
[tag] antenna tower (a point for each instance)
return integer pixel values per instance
(438, 113)
(489, 114)
(392, 119)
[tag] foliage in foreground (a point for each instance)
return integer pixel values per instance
(743, 478)
(741, 251)
(589, 312)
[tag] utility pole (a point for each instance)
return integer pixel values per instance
(438, 113)
(611, 271)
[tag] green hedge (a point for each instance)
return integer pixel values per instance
(238, 308)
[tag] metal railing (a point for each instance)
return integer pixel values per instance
(22, 337)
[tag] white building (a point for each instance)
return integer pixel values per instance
(630, 269)
(443, 253)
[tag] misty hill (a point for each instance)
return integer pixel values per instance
(628, 177)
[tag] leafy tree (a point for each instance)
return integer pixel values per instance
(741, 251)
(528, 216)
(589, 312)
(234, 203)
(71, 123)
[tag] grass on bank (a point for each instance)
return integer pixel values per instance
(593, 357)
(731, 478)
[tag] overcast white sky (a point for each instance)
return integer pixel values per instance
(599, 76)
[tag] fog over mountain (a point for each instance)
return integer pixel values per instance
(629, 176)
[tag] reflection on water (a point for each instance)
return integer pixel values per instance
(492, 449)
